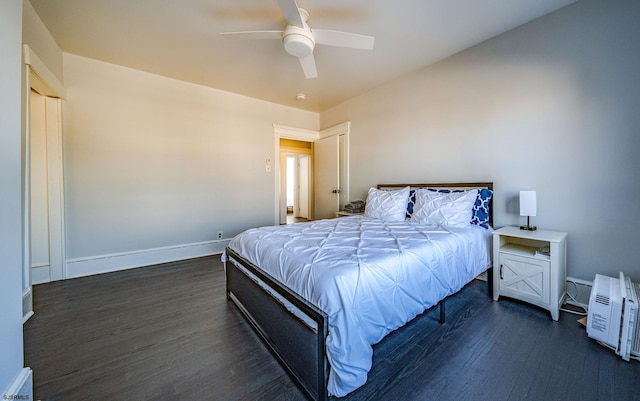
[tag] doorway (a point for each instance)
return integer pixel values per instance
(295, 181)
(43, 219)
(328, 171)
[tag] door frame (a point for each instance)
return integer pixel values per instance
(43, 81)
(299, 134)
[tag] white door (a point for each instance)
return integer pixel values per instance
(303, 187)
(45, 190)
(39, 202)
(326, 153)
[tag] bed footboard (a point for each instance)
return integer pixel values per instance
(293, 329)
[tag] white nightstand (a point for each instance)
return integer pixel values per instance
(521, 272)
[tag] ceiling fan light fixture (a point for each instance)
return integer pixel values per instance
(298, 42)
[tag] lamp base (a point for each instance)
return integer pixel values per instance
(529, 228)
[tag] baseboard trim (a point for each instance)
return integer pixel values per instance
(40, 274)
(88, 266)
(27, 304)
(21, 388)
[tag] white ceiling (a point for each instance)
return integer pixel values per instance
(181, 40)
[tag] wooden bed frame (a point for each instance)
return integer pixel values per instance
(298, 343)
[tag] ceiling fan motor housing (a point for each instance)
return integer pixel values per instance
(297, 41)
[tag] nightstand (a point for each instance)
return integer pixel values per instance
(530, 266)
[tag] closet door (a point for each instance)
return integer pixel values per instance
(39, 190)
(46, 232)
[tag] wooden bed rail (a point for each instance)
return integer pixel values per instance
(298, 346)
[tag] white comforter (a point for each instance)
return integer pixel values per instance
(369, 276)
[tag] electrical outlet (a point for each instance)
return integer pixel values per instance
(220, 234)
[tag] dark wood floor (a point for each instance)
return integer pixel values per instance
(167, 332)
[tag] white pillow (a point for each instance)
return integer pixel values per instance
(453, 209)
(387, 205)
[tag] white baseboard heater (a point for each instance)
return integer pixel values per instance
(613, 315)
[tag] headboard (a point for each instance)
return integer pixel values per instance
(452, 185)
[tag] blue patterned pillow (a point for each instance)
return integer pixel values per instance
(480, 214)
(481, 208)
(412, 202)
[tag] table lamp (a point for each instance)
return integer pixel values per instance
(528, 208)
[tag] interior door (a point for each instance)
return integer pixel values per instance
(46, 232)
(326, 153)
(39, 199)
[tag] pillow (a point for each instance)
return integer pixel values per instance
(387, 205)
(412, 202)
(452, 209)
(481, 208)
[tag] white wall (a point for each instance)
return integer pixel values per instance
(37, 36)
(153, 162)
(550, 106)
(11, 346)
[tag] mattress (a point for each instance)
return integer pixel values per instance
(368, 275)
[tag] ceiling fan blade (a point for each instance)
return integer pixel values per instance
(343, 39)
(254, 35)
(309, 66)
(291, 12)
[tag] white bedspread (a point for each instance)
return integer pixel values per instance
(369, 276)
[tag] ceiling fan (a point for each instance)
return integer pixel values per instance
(299, 39)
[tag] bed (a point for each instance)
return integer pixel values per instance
(321, 294)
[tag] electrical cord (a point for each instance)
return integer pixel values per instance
(575, 302)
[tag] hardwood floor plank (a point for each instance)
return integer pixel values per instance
(168, 332)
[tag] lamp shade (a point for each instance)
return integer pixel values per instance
(527, 203)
